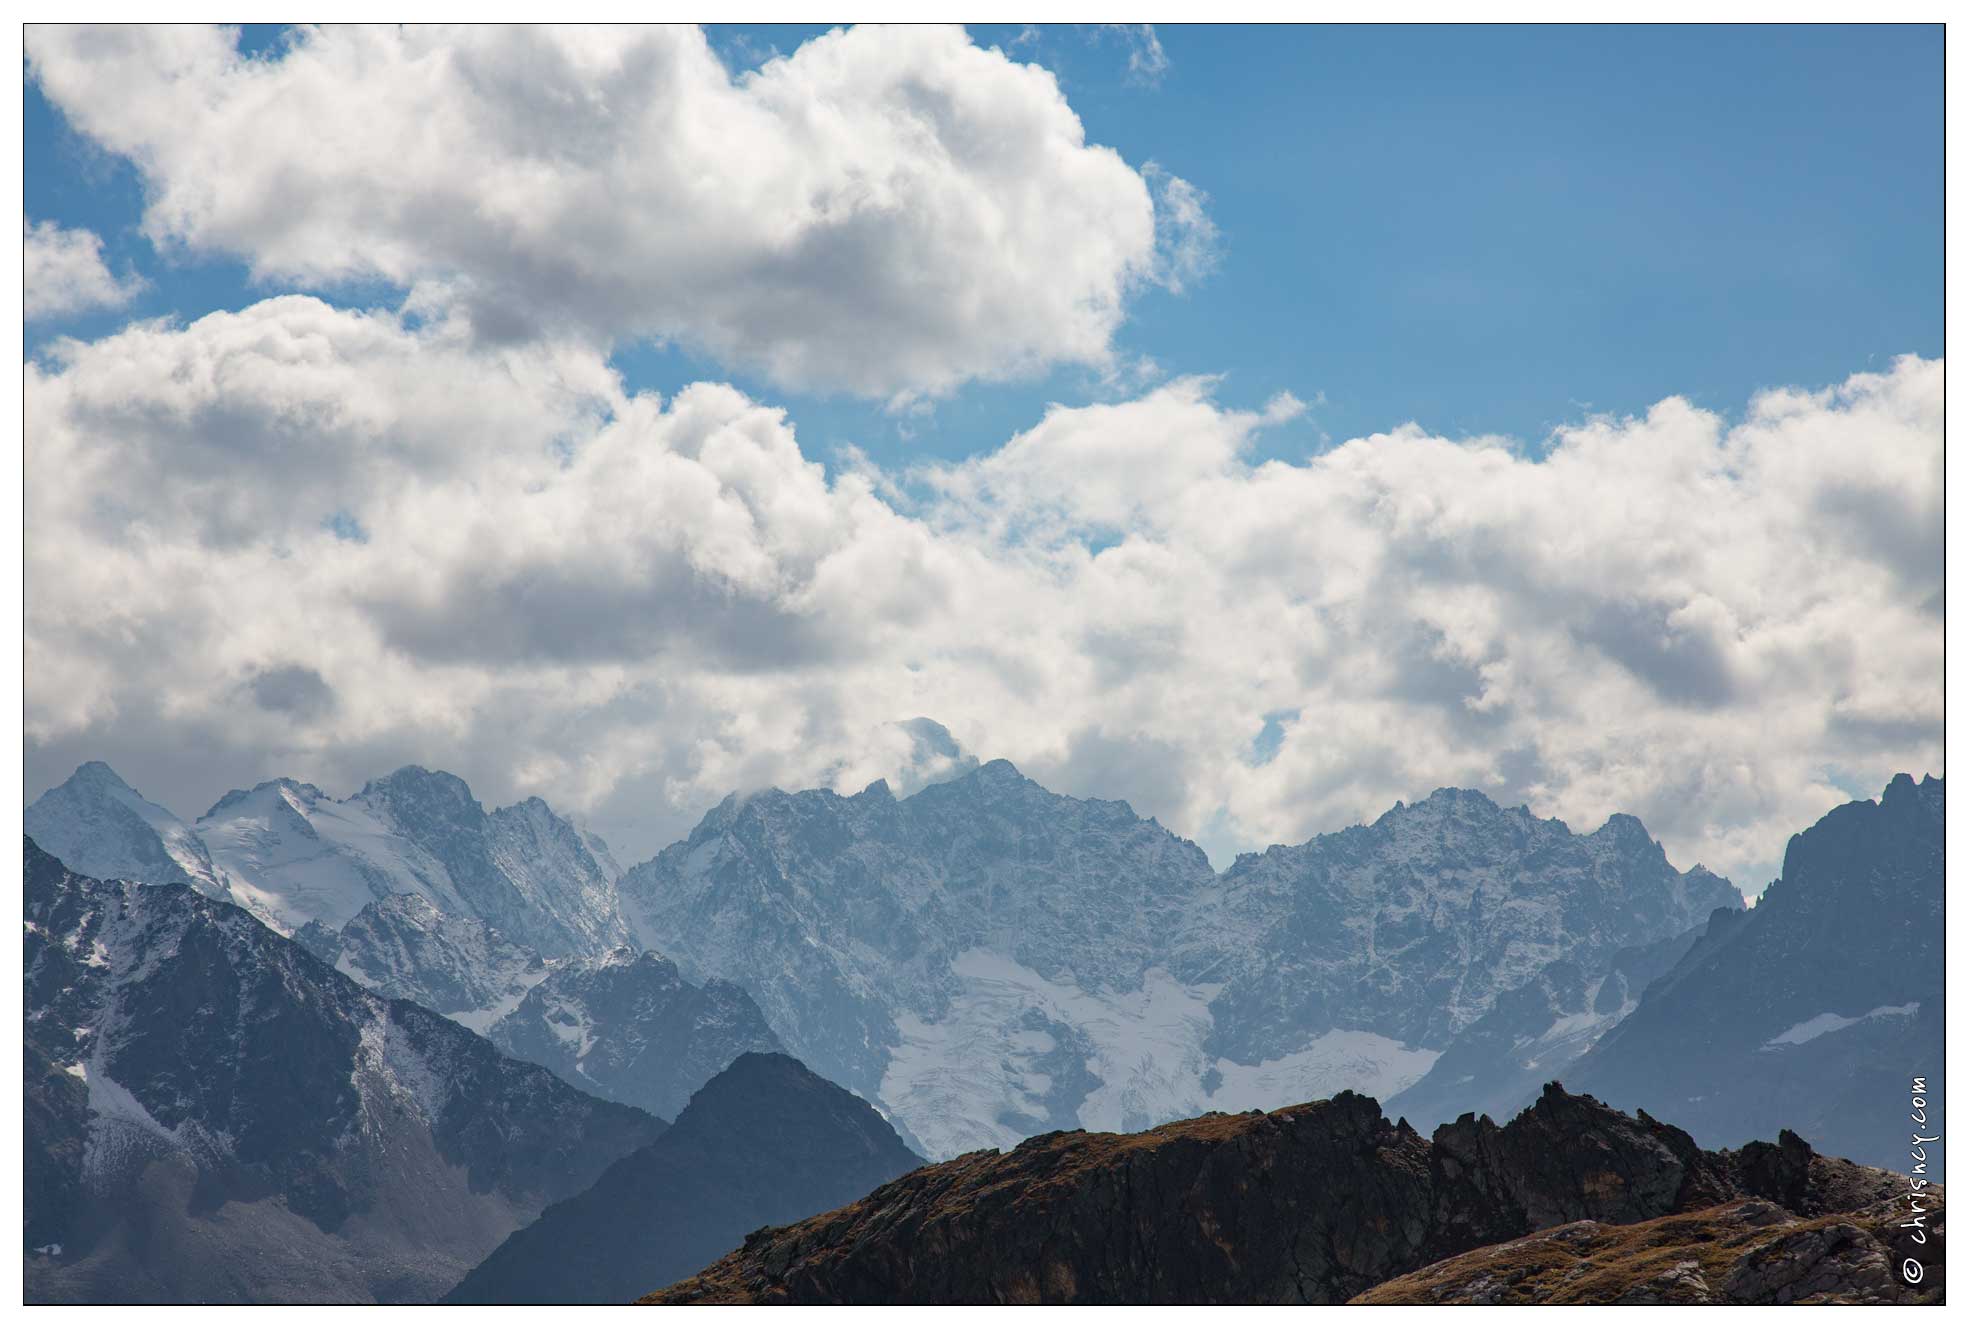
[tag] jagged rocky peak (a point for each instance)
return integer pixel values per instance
(1413, 926)
(841, 913)
(97, 775)
(404, 946)
(986, 958)
(431, 799)
(1794, 1012)
(1253, 1207)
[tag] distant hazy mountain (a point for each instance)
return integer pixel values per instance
(1815, 1009)
(989, 960)
(765, 1142)
(100, 826)
(216, 1115)
(293, 855)
(1414, 926)
(416, 892)
(1534, 1032)
(627, 1027)
(403, 946)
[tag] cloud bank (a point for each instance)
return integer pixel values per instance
(888, 212)
(301, 539)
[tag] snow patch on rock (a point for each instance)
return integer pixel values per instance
(1830, 1023)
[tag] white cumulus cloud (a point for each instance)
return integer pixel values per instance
(63, 272)
(888, 211)
(297, 539)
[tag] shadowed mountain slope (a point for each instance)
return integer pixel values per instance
(1815, 1010)
(216, 1115)
(767, 1141)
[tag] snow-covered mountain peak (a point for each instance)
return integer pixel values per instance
(97, 775)
(294, 855)
(1904, 790)
(95, 822)
(296, 794)
(1453, 798)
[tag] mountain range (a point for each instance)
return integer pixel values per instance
(989, 960)
(321, 1011)
(984, 959)
(628, 1028)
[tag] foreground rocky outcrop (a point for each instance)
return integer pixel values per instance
(1310, 1204)
(1745, 1253)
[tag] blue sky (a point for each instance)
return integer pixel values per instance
(1484, 229)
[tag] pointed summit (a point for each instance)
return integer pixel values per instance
(97, 825)
(767, 1141)
(100, 775)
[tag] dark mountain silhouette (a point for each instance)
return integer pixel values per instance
(766, 1141)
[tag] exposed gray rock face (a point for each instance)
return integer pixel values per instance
(628, 1028)
(1818, 1008)
(219, 1116)
(104, 828)
(402, 946)
(987, 959)
(1415, 925)
(861, 922)
(1534, 1032)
